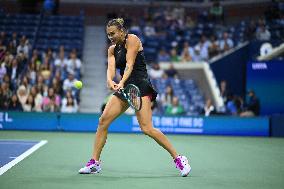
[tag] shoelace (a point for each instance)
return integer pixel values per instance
(178, 163)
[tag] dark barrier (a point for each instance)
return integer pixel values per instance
(266, 78)
(277, 126)
(233, 66)
(232, 69)
(128, 124)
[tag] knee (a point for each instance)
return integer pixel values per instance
(103, 123)
(147, 131)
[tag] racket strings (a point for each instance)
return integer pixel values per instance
(134, 97)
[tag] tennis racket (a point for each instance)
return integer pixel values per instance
(132, 95)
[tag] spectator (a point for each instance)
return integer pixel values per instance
(178, 12)
(57, 86)
(22, 94)
(163, 56)
(216, 12)
(32, 73)
(149, 30)
(29, 105)
(15, 39)
(27, 42)
(46, 71)
(195, 53)
(263, 34)
(231, 107)
(185, 55)
(135, 28)
(6, 94)
(252, 107)
(14, 71)
(23, 48)
(213, 48)
(49, 55)
(59, 77)
(174, 108)
(209, 108)
(11, 48)
(36, 58)
(171, 71)
(6, 79)
(69, 107)
(224, 90)
(40, 84)
(250, 31)
(189, 23)
(3, 71)
(22, 61)
(7, 59)
(2, 49)
(61, 62)
(167, 97)
(25, 82)
(69, 95)
(61, 50)
(69, 82)
(74, 65)
(2, 33)
(174, 56)
(155, 72)
(226, 43)
(203, 46)
(37, 96)
(234, 105)
(51, 103)
(14, 104)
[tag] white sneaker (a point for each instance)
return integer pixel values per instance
(182, 165)
(91, 167)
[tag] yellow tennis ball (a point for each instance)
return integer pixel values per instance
(78, 84)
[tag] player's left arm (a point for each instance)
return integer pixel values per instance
(132, 46)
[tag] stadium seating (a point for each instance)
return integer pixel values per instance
(61, 30)
(187, 91)
(43, 32)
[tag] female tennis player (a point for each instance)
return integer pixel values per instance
(126, 54)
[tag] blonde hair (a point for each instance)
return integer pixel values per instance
(118, 22)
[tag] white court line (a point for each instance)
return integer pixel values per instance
(21, 157)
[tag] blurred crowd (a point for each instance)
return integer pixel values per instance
(34, 81)
(183, 97)
(178, 38)
(171, 35)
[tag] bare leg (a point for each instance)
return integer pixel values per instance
(144, 117)
(113, 109)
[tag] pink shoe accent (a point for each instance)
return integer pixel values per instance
(92, 161)
(178, 163)
(182, 165)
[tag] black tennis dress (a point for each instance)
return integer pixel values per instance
(139, 75)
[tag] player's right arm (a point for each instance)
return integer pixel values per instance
(111, 68)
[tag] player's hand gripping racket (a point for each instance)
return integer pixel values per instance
(132, 95)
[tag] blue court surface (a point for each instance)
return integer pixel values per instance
(11, 149)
